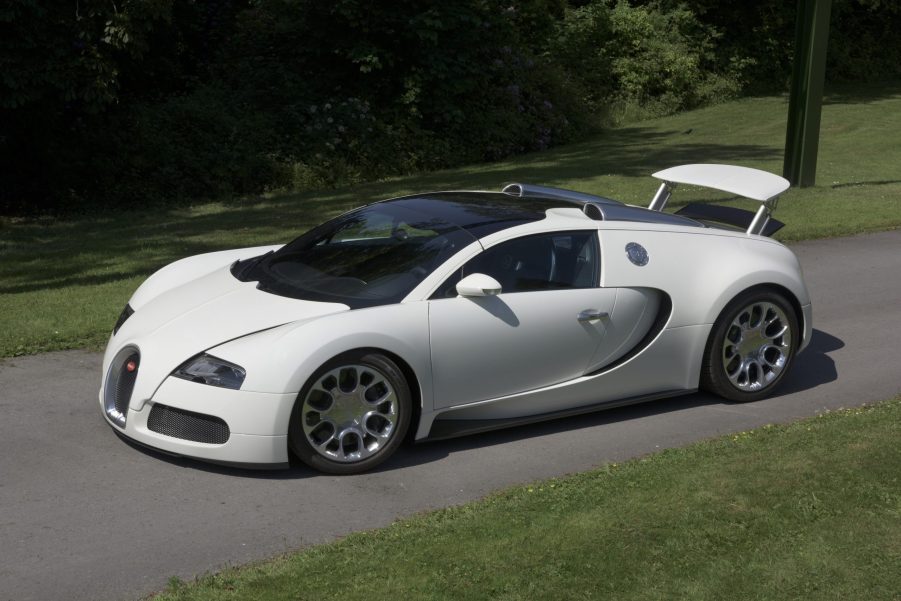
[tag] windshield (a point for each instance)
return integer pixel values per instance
(372, 256)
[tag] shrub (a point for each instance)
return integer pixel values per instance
(662, 61)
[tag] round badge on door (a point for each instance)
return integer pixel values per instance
(637, 254)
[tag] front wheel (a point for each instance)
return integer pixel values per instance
(351, 415)
(751, 347)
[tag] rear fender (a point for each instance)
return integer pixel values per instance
(701, 272)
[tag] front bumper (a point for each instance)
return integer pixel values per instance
(257, 422)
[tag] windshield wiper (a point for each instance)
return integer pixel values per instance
(242, 269)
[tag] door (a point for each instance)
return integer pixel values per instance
(542, 329)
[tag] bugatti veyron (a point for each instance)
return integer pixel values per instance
(446, 313)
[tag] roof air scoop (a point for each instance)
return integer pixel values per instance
(513, 190)
(530, 191)
(593, 211)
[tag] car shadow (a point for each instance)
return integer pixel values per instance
(813, 368)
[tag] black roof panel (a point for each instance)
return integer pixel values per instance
(484, 213)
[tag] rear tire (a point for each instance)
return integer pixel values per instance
(351, 415)
(751, 347)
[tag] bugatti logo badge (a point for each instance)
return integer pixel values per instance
(637, 254)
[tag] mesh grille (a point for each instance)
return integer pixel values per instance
(187, 425)
(125, 384)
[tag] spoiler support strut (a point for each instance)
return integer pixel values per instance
(662, 196)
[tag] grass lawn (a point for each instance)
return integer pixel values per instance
(62, 283)
(810, 510)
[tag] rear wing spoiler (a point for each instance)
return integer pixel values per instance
(750, 183)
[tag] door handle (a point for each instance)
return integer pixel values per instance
(592, 315)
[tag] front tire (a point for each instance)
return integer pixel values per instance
(351, 415)
(751, 346)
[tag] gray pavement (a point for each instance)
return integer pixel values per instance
(84, 515)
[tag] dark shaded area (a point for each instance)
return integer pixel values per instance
(813, 367)
(731, 216)
(111, 105)
(498, 308)
(861, 92)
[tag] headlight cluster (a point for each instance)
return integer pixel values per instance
(206, 369)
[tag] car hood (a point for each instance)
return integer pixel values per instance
(198, 315)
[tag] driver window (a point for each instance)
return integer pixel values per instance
(552, 261)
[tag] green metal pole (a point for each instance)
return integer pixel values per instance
(805, 103)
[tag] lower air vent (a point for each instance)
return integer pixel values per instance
(187, 425)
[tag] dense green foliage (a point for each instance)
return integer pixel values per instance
(641, 57)
(759, 35)
(148, 101)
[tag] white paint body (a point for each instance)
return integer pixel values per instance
(474, 358)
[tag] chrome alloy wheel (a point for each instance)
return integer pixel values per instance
(757, 346)
(350, 413)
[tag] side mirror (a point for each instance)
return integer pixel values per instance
(478, 284)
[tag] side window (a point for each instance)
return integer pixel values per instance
(544, 262)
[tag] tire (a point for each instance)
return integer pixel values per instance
(351, 415)
(751, 347)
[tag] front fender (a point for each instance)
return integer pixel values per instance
(282, 359)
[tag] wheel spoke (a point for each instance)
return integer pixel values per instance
(377, 392)
(320, 400)
(316, 434)
(351, 444)
(378, 425)
(778, 334)
(778, 359)
(754, 373)
(348, 379)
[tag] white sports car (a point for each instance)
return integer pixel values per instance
(447, 313)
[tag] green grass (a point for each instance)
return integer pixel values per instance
(62, 283)
(810, 510)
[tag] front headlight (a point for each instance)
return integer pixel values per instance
(206, 369)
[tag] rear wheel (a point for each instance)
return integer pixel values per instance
(751, 347)
(351, 415)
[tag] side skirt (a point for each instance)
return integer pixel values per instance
(444, 428)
